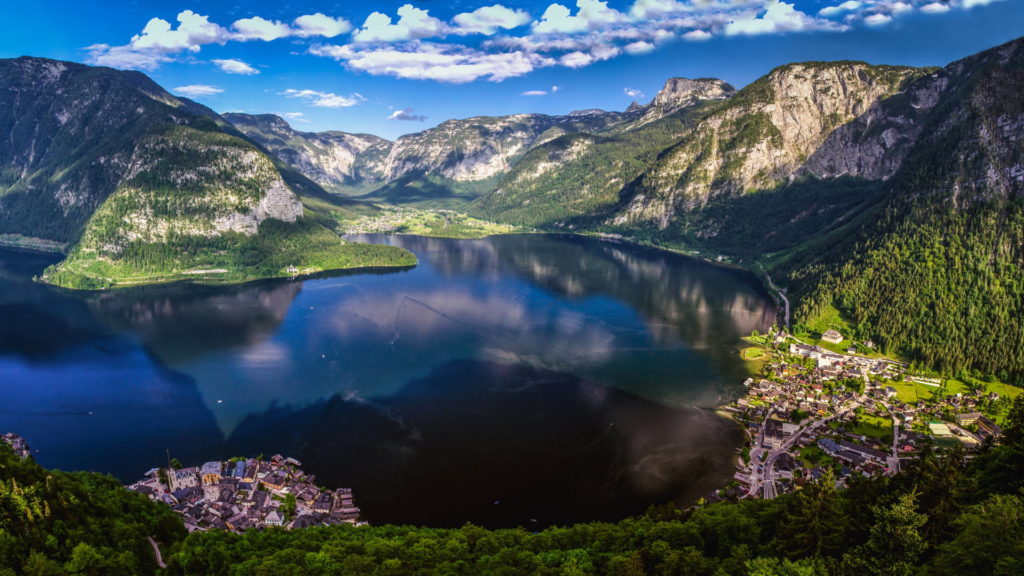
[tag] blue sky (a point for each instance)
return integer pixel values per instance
(390, 68)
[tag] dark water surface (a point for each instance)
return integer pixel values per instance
(516, 380)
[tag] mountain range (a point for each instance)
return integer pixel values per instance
(885, 198)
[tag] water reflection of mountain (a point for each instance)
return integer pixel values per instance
(696, 302)
(501, 446)
(184, 321)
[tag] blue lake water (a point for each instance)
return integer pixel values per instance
(516, 380)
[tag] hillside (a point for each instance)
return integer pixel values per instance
(579, 176)
(938, 516)
(936, 271)
(137, 186)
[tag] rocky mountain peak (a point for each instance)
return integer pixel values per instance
(686, 91)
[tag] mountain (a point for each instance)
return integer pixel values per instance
(582, 174)
(456, 161)
(340, 162)
(888, 197)
(139, 186)
(936, 270)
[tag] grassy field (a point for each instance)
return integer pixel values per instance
(434, 223)
(873, 427)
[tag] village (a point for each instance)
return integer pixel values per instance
(835, 406)
(245, 493)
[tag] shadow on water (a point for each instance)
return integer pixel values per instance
(501, 445)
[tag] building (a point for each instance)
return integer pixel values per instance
(210, 473)
(968, 418)
(832, 336)
(988, 428)
(273, 519)
(182, 479)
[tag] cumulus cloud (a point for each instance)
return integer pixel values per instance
(257, 28)
(159, 41)
(633, 93)
(697, 35)
(489, 19)
(236, 66)
(935, 8)
(878, 19)
(430, 61)
(406, 114)
(197, 90)
(590, 14)
(193, 31)
(848, 6)
(778, 17)
(413, 23)
(639, 47)
(319, 24)
(325, 99)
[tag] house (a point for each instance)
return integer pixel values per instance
(210, 473)
(832, 336)
(322, 505)
(274, 519)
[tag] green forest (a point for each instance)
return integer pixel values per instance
(943, 515)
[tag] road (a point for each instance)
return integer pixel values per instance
(767, 477)
(782, 294)
(156, 552)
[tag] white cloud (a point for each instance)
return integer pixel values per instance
(697, 35)
(294, 116)
(236, 66)
(644, 9)
(972, 3)
(489, 19)
(412, 24)
(320, 24)
(257, 28)
(407, 115)
(848, 6)
(591, 14)
(878, 19)
(552, 90)
(778, 17)
(633, 93)
(192, 32)
(197, 90)
(428, 61)
(639, 47)
(935, 8)
(325, 99)
(124, 57)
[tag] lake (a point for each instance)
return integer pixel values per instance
(516, 380)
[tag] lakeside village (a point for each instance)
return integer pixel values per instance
(241, 494)
(838, 406)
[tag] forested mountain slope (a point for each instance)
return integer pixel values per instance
(937, 271)
(141, 186)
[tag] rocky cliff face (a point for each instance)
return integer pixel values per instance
(480, 148)
(763, 137)
(338, 161)
(676, 94)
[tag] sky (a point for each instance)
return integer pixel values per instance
(392, 68)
